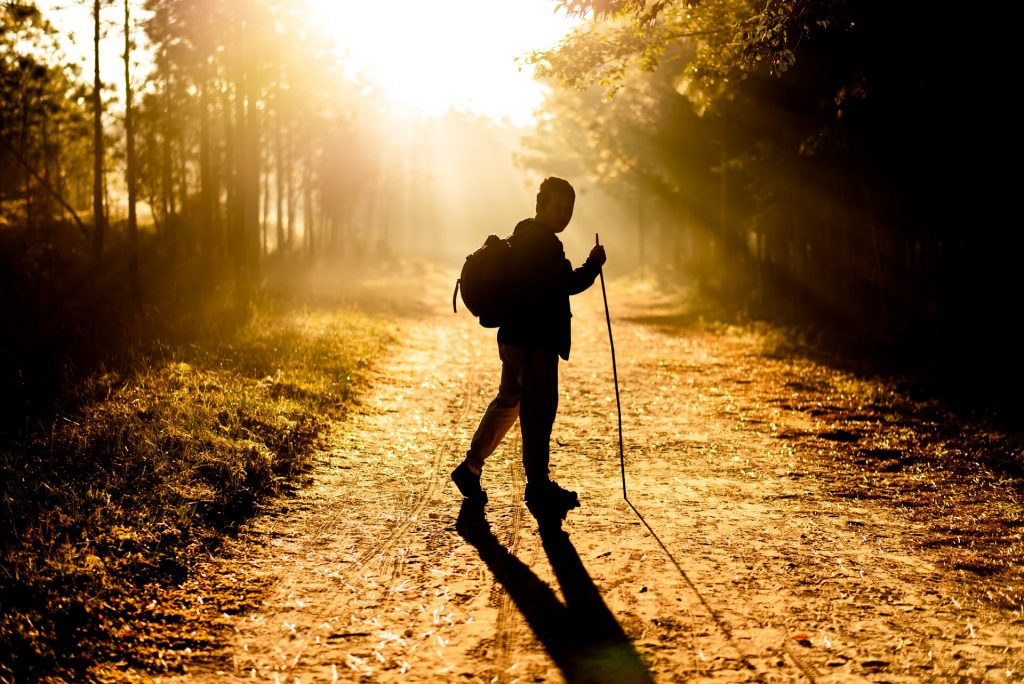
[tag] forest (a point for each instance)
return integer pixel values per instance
(835, 168)
(820, 163)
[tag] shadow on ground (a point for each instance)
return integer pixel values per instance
(581, 636)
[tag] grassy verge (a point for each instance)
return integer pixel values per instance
(152, 466)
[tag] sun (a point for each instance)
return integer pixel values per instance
(429, 57)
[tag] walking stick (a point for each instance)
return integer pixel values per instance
(615, 375)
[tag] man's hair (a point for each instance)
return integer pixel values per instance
(550, 185)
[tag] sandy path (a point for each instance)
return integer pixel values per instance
(375, 572)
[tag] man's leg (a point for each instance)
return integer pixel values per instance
(503, 410)
(545, 498)
(537, 412)
(501, 413)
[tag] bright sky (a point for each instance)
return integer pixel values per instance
(426, 57)
(73, 19)
(431, 56)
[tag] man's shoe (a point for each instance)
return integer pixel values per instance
(549, 503)
(468, 484)
(549, 496)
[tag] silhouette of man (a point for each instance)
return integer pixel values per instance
(530, 343)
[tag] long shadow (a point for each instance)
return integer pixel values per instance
(581, 636)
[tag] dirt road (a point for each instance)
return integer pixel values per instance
(742, 561)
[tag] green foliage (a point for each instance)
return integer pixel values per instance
(43, 117)
(728, 39)
(646, 147)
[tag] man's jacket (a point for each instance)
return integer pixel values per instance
(544, 281)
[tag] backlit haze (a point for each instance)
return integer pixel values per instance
(423, 58)
(440, 94)
(432, 56)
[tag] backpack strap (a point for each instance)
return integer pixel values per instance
(455, 295)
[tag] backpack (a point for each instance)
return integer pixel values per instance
(486, 282)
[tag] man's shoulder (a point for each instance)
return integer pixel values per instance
(525, 227)
(529, 231)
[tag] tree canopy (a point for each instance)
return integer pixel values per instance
(820, 158)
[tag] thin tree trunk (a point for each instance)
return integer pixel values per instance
(265, 210)
(99, 218)
(182, 193)
(640, 228)
(205, 176)
(167, 174)
(46, 204)
(279, 178)
(133, 226)
(289, 179)
(307, 188)
(246, 221)
(239, 228)
(252, 176)
(25, 152)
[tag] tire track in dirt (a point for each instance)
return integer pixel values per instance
(420, 496)
(508, 619)
(411, 506)
(377, 557)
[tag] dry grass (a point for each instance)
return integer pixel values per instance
(153, 466)
(957, 478)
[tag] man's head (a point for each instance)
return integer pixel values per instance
(555, 201)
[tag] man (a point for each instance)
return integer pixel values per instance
(529, 345)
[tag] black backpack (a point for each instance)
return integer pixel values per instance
(486, 282)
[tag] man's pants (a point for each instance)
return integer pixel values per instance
(529, 391)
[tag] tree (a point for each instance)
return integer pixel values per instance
(41, 119)
(645, 145)
(838, 130)
(98, 211)
(130, 170)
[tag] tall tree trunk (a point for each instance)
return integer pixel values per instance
(641, 228)
(307, 204)
(239, 245)
(23, 139)
(289, 180)
(252, 176)
(265, 210)
(307, 188)
(279, 180)
(45, 202)
(182, 192)
(129, 130)
(99, 218)
(245, 223)
(205, 176)
(227, 170)
(167, 172)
